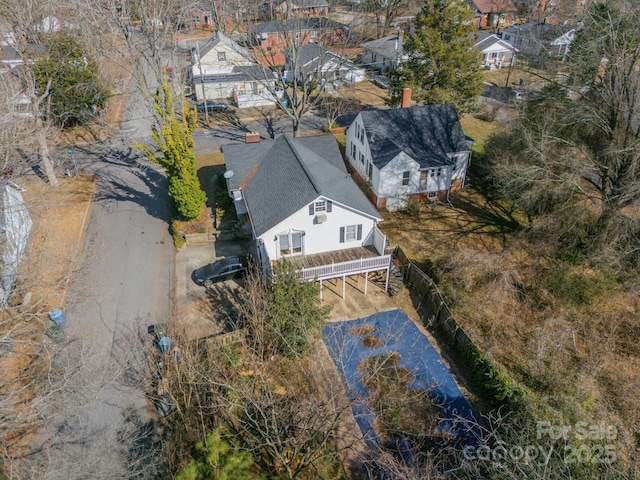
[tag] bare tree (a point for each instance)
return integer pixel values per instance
(386, 12)
(302, 79)
(25, 22)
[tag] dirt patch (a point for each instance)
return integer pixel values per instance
(54, 250)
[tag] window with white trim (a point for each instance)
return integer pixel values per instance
(222, 56)
(350, 233)
(405, 178)
(431, 195)
(353, 151)
(290, 243)
(361, 157)
(321, 206)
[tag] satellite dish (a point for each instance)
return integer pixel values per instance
(228, 174)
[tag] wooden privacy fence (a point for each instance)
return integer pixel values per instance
(432, 308)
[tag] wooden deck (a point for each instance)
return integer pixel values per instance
(328, 258)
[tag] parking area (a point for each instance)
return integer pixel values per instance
(201, 311)
(204, 311)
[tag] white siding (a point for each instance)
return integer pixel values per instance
(320, 237)
(391, 177)
(211, 65)
(462, 165)
(361, 148)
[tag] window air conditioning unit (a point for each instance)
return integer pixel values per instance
(321, 217)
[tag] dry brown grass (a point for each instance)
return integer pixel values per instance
(59, 220)
(510, 295)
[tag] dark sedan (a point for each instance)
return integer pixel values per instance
(226, 268)
(212, 106)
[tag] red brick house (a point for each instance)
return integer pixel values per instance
(272, 39)
(493, 13)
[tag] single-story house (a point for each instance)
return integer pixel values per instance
(496, 52)
(304, 207)
(492, 13)
(319, 62)
(410, 152)
(222, 69)
(384, 54)
(539, 38)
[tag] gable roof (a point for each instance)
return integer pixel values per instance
(314, 54)
(298, 24)
(247, 73)
(280, 178)
(220, 38)
(493, 43)
(427, 133)
(388, 47)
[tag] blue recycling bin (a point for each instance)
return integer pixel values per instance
(58, 317)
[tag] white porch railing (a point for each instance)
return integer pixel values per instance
(346, 268)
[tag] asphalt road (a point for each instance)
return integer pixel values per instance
(101, 426)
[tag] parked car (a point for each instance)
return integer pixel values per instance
(226, 268)
(212, 106)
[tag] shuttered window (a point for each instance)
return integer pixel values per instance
(350, 233)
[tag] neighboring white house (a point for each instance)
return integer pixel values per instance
(319, 62)
(222, 69)
(418, 152)
(303, 206)
(496, 52)
(539, 38)
(384, 54)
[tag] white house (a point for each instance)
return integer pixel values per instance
(411, 152)
(324, 64)
(303, 206)
(384, 54)
(496, 52)
(540, 38)
(222, 69)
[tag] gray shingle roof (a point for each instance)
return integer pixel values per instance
(486, 41)
(301, 24)
(388, 47)
(279, 178)
(238, 73)
(220, 37)
(427, 133)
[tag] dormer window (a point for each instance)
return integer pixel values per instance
(321, 206)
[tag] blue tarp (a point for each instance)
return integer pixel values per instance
(398, 333)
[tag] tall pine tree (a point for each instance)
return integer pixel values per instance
(174, 139)
(443, 64)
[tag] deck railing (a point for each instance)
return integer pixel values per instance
(346, 268)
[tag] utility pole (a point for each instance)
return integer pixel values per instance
(204, 91)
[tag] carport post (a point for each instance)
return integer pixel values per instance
(344, 286)
(320, 290)
(365, 282)
(386, 286)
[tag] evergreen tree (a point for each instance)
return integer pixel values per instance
(76, 92)
(443, 64)
(295, 313)
(215, 459)
(174, 139)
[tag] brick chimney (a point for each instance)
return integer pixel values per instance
(406, 98)
(252, 137)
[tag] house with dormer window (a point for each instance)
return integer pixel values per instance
(304, 207)
(415, 152)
